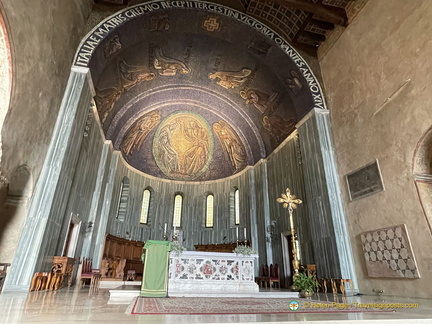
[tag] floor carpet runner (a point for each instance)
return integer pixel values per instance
(199, 306)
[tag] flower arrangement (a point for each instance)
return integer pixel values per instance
(245, 250)
(177, 248)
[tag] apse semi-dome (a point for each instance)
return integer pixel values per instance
(195, 91)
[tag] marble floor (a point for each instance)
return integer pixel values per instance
(70, 305)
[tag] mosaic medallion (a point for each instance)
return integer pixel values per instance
(183, 146)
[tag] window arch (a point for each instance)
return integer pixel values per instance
(209, 211)
(123, 200)
(145, 206)
(235, 206)
(178, 203)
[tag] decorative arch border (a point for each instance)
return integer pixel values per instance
(5, 82)
(102, 31)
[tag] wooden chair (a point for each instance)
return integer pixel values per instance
(274, 276)
(3, 272)
(88, 273)
(264, 279)
(40, 281)
(311, 270)
(130, 275)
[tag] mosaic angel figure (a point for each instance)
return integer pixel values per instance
(168, 66)
(137, 133)
(278, 127)
(229, 80)
(232, 145)
(260, 99)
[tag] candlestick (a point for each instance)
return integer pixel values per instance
(174, 236)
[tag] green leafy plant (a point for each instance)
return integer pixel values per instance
(245, 250)
(306, 283)
(177, 248)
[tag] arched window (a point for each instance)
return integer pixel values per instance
(209, 210)
(178, 201)
(124, 198)
(145, 206)
(236, 207)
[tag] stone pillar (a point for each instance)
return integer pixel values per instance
(253, 216)
(107, 199)
(44, 216)
(331, 241)
(266, 205)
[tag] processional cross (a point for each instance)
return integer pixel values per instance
(290, 201)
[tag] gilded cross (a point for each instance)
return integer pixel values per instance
(289, 201)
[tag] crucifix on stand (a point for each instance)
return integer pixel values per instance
(290, 201)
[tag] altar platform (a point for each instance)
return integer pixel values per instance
(204, 274)
(124, 294)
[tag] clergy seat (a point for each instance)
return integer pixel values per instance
(87, 273)
(274, 275)
(311, 270)
(264, 279)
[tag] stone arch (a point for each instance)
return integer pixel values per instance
(103, 40)
(21, 186)
(5, 84)
(422, 169)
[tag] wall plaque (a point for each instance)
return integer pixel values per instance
(365, 181)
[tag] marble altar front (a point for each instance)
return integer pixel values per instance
(211, 272)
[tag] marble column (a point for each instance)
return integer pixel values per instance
(266, 206)
(44, 217)
(253, 216)
(107, 198)
(331, 241)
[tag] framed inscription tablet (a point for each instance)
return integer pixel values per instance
(365, 181)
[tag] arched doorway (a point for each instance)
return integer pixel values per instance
(422, 169)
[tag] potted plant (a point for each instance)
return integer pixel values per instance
(306, 284)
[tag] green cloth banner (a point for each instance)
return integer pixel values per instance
(155, 274)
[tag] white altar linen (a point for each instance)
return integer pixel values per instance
(211, 271)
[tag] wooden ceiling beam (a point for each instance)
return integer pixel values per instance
(331, 14)
(323, 24)
(306, 48)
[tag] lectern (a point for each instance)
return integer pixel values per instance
(155, 274)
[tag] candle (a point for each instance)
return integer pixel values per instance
(237, 233)
(165, 228)
(245, 233)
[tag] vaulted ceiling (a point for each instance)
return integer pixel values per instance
(197, 92)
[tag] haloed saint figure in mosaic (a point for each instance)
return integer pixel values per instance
(183, 146)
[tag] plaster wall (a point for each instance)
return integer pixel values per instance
(378, 82)
(43, 38)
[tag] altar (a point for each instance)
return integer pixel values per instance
(211, 272)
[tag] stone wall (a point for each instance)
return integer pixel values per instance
(43, 38)
(378, 90)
